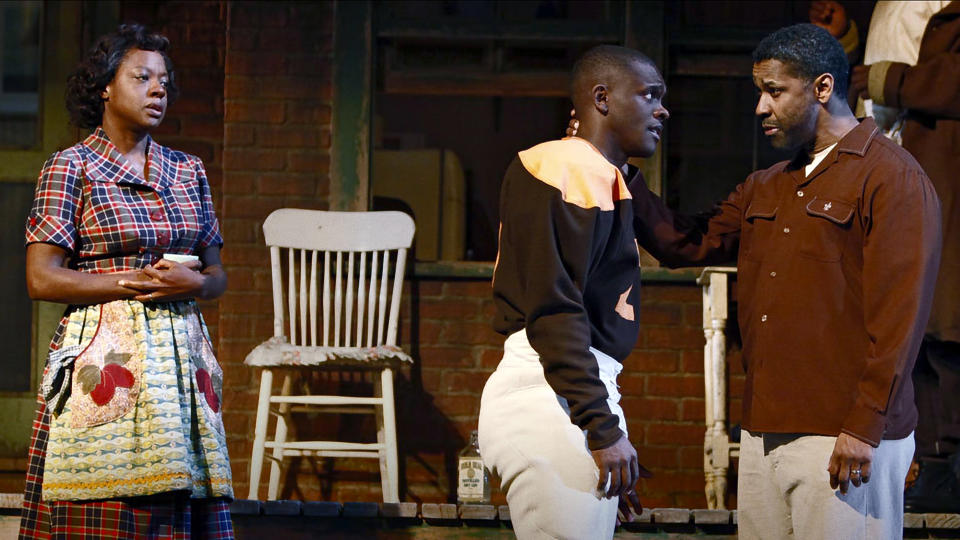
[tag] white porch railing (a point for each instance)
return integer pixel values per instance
(717, 448)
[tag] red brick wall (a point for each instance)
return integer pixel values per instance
(277, 92)
(256, 107)
(447, 327)
(445, 324)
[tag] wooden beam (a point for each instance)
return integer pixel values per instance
(541, 30)
(352, 93)
(525, 84)
(704, 64)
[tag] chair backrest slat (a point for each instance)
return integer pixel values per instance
(313, 298)
(303, 297)
(372, 298)
(361, 298)
(277, 279)
(383, 295)
(326, 299)
(338, 300)
(292, 295)
(397, 289)
(348, 316)
(360, 251)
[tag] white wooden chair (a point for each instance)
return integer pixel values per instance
(341, 313)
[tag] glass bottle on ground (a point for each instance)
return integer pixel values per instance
(473, 480)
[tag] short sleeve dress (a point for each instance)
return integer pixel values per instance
(140, 434)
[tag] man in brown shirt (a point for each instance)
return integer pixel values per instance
(837, 252)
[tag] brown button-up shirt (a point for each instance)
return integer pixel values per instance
(836, 275)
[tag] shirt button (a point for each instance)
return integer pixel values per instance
(800, 193)
(773, 274)
(162, 238)
(763, 318)
(786, 230)
(157, 215)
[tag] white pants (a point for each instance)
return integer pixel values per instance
(784, 490)
(542, 458)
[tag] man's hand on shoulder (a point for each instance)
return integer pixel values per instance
(618, 462)
(850, 462)
(573, 125)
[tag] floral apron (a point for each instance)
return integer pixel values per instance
(143, 413)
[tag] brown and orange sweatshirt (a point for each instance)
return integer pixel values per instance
(568, 272)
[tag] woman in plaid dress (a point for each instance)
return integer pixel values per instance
(128, 441)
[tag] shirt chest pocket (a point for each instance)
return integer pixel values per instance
(186, 214)
(760, 224)
(826, 228)
(109, 225)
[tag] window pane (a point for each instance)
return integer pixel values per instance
(19, 73)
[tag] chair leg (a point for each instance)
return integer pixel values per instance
(279, 438)
(388, 426)
(381, 438)
(260, 432)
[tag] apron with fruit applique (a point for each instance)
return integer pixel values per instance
(134, 394)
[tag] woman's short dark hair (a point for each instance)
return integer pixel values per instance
(810, 51)
(100, 65)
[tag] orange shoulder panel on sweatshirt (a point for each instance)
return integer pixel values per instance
(578, 170)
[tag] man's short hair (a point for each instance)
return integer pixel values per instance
(600, 62)
(810, 51)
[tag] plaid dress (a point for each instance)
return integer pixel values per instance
(145, 457)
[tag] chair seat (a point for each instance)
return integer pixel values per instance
(278, 352)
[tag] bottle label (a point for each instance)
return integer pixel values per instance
(471, 477)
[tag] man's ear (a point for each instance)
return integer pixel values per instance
(599, 93)
(823, 87)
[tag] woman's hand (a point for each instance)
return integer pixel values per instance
(49, 279)
(167, 281)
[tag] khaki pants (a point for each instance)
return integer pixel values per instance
(784, 490)
(527, 438)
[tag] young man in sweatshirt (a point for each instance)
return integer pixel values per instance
(567, 294)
